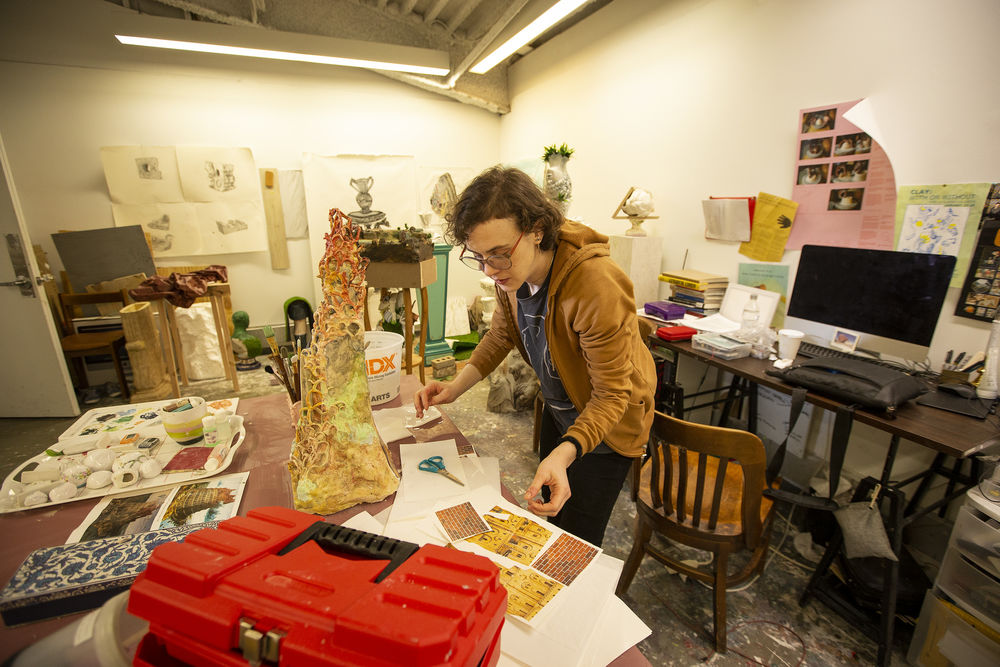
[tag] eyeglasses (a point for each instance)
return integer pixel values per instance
(501, 261)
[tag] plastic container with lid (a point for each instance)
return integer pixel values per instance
(106, 637)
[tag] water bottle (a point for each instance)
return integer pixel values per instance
(751, 313)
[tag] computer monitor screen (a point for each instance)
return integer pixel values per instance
(895, 295)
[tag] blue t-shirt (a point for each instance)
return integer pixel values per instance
(531, 313)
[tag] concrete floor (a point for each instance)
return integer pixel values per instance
(765, 624)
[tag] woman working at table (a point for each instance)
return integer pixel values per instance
(569, 310)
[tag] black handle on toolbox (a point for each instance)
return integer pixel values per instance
(330, 536)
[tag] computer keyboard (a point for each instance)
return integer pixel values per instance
(811, 350)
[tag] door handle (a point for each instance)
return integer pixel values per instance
(20, 282)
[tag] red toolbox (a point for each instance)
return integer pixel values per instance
(279, 587)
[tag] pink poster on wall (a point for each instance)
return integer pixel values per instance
(844, 184)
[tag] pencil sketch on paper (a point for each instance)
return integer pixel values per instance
(161, 242)
(162, 223)
(149, 168)
(933, 229)
(231, 225)
(221, 176)
(366, 217)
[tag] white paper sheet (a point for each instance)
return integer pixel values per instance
(231, 226)
(141, 174)
(366, 522)
(212, 174)
(389, 423)
(726, 219)
(293, 203)
(173, 228)
(419, 485)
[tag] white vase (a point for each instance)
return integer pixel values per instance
(558, 185)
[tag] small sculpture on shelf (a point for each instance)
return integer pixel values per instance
(637, 205)
(558, 185)
(246, 346)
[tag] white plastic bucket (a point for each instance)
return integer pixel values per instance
(106, 637)
(383, 359)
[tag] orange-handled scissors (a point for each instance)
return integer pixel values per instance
(436, 464)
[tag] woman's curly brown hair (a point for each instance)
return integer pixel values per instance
(500, 193)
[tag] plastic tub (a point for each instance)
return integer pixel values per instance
(106, 637)
(383, 358)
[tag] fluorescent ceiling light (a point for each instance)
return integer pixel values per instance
(555, 13)
(279, 55)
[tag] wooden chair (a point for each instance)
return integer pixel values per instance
(702, 486)
(75, 346)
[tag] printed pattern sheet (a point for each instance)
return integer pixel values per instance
(461, 521)
(535, 563)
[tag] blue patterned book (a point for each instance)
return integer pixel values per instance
(70, 578)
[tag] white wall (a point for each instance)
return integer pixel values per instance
(692, 98)
(55, 118)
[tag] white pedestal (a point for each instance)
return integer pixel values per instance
(639, 257)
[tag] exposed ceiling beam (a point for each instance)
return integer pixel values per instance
(477, 49)
(441, 89)
(434, 11)
(456, 20)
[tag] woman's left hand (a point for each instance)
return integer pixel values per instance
(551, 473)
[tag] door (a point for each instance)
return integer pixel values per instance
(34, 380)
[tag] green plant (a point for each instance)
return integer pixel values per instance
(563, 150)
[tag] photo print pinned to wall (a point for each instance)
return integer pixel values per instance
(980, 295)
(834, 151)
(191, 200)
(847, 199)
(821, 120)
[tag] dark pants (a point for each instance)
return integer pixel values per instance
(594, 482)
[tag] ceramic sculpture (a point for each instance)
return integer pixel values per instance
(338, 459)
(558, 185)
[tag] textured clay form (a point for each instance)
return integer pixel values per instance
(338, 459)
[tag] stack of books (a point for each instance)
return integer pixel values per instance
(699, 292)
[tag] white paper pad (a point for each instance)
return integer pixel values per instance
(419, 485)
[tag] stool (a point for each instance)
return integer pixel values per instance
(174, 353)
(405, 275)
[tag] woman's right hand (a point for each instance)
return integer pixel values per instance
(435, 393)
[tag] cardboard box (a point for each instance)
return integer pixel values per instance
(402, 274)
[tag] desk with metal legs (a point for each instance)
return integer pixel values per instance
(948, 434)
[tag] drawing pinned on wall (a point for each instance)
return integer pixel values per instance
(327, 184)
(172, 228)
(227, 227)
(942, 219)
(141, 174)
(366, 217)
(191, 200)
(217, 174)
(933, 229)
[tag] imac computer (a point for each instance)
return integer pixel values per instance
(889, 300)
